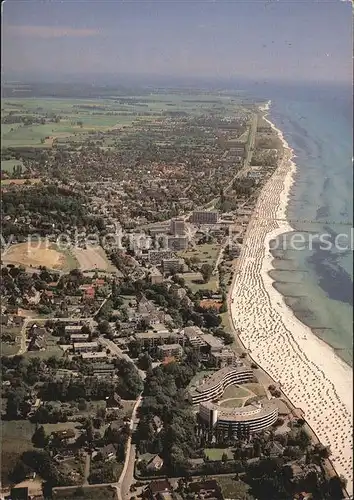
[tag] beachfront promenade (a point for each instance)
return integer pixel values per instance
(310, 373)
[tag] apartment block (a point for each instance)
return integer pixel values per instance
(178, 227)
(172, 265)
(177, 243)
(204, 217)
(169, 350)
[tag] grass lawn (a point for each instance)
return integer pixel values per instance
(86, 493)
(10, 340)
(70, 261)
(206, 253)
(52, 349)
(193, 283)
(60, 426)
(257, 389)
(226, 321)
(233, 403)
(232, 488)
(127, 407)
(217, 453)
(16, 438)
(8, 349)
(235, 391)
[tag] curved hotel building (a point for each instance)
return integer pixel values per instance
(254, 417)
(214, 386)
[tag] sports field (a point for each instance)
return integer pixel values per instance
(35, 255)
(92, 258)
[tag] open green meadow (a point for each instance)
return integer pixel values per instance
(64, 118)
(8, 165)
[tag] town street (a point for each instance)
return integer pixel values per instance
(127, 475)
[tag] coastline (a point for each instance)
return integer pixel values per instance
(311, 375)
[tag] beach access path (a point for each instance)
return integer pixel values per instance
(307, 370)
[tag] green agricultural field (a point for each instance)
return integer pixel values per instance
(98, 115)
(6, 128)
(217, 453)
(16, 438)
(17, 134)
(8, 165)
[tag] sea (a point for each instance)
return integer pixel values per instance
(314, 272)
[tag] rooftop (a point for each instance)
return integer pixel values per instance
(73, 328)
(79, 336)
(78, 345)
(160, 486)
(168, 347)
(216, 377)
(224, 353)
(243, 413)
(94, 355)
(212, 341)
(192, 331)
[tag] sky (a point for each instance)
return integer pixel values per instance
(295, 40)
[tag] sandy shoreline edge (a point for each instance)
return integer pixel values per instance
(311, 375)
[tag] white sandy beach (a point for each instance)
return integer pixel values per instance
(310, 373)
